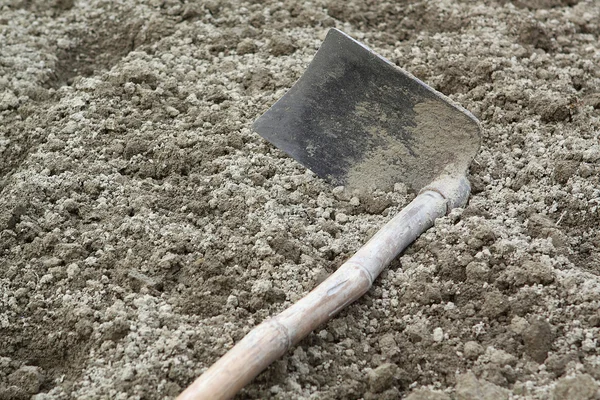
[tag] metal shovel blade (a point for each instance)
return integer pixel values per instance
(355, 119)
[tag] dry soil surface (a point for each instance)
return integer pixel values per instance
(144, 228)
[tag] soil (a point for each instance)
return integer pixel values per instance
(144, 228)
(443, 141)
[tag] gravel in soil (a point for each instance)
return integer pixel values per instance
(144, 228)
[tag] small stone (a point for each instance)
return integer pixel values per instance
(538, 340)
(73, 270)
(282, 46)
(475, 243)
(214, 6)
(70, 128)
(117, 330)
(262, 286)
(71, 206)
(438, 334)
(518, 325)
(579, 387)
(246, 46)
(450, 306)
(592, 154)
(377, 205)
(27, 378)
(591, 367)
(134, 147)
(275, 389)
(400, 188)
(262, 249)
(495, 304)
(485, 234)
(382, 377)
(341, 218)
(557, 363)
(472, 350)
(84, 328)
(128, 373)
(495, 374)
(8, 100)
(63, 43)
(139, 279)
(338, 327)
(417, 331)
(588, 345)
(500, 357)
(232, 301)
(129, 87)
(51, 262)
(388, 345)
(468, 387)
(168, 260)
(172, 111)
(340, 193)
(191, 11)
(553, 110)
(477, 271)
(564, 170)
(530, 273)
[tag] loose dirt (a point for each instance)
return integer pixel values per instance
(442, 141)
(144, 228)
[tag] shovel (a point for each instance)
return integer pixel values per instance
(356, 120)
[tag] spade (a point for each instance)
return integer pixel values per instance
(357, 120)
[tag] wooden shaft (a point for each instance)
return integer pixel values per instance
(272, 338)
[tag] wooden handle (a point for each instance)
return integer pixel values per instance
(272, 338)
